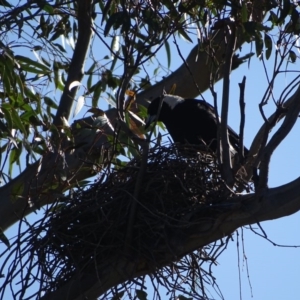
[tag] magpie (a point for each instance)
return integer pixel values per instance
(190, 121)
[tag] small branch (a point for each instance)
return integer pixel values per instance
(260, 140)
(242, 122)
(288, 123)
(187, 66)
(226, 156)
(214, 94)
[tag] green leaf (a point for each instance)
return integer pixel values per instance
(46, 62)
(56, 35)
(268, 45)
(96, 95)
(250, 28)
(145, 83)
(7, 74)
(5, 3)
(133, 150)
(285, 10)
(244, 12)
(14, 156)
(26, 63)
(6, 81)
(114, 62)
(90, 72)
(113, 82)
(37, 48)
(118, 296)
(273, 18)
(292, 56)
(17, 122)
(48, 8)
(184, 35)
(167, 46)
(289, 28)
(125, 23)
(89, 81)
(295, 16)
(33, 70)
(156, 70)
(105, 9)
(258, 44)
(115, 20)
(60, 47)
(20, 84)
(7, 115)
(3, 131)
(57, 78)
(142, 110)
(4, 239)
(142, 295)
(50, 102)
(181, 297)
(161, 125)
(33, 97)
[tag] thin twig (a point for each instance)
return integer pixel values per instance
(226, 157)
(242, 122)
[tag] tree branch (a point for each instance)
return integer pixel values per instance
(239, 211)
(225, 152)
(257, 146)
(38, 180)
(288, 123)
(242, 87)
(76, 70)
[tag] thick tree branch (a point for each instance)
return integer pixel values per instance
(200, 66)
(38, 180)
(76, 69)
(239, 211)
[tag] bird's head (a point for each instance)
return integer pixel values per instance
(161, 106)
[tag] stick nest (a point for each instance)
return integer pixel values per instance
(93, 225)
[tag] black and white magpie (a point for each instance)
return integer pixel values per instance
(190, 121)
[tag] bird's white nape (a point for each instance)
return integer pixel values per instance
(172, 100)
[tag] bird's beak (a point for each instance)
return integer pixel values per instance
(149, 120)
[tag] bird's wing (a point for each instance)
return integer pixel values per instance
(232, 135)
